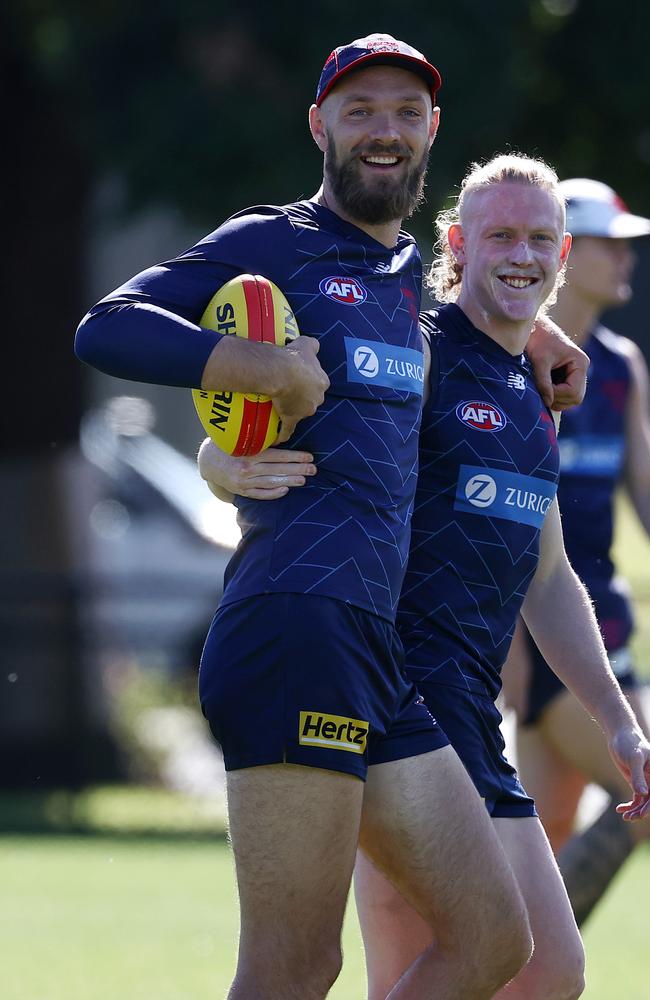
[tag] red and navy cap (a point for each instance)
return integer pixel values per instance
(374, 50)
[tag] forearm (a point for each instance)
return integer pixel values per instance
(244, 366)
(561, 620)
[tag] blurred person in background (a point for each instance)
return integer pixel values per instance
(604, 444)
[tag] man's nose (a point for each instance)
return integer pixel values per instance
(521, 253)
(385, 128)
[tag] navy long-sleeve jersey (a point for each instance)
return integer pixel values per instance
(346, 533)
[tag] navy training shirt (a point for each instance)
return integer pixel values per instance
(489, 465)
(592, 456)
(346, 533)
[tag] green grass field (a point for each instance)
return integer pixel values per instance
(126, 919)
(141, 917)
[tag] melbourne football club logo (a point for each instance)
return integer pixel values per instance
(349, 291)
(481, 416)
(481, 490)
(366, 362)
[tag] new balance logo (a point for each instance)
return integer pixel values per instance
(516, 381)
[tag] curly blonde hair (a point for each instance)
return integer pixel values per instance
(445, 274)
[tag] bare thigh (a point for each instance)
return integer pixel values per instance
(554, 783)
(395, 934)
(294, 834)
(426, 829)
(557, 965)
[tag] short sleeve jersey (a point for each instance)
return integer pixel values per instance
(592, 453)
(345, 534)
(488, 473)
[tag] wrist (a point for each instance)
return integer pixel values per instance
(616, 717)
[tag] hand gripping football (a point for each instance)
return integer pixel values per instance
(253, 307)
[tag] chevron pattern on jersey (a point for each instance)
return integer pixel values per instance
(469, 568)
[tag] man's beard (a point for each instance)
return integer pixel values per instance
(380, 202)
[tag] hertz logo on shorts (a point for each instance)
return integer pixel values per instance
(335, 731)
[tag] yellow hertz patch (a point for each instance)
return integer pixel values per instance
(334, 731)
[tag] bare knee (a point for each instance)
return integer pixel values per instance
(292, 970)
(500, 951)
(514, 949)
(554, 976)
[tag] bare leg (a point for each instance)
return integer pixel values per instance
(563, 749)
(556, 969)
(395, 934)
(426, 829)
(591, 859)
(555, 784)
(294, 834)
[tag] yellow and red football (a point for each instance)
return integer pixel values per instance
(253, 307)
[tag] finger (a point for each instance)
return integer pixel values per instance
(266, 471)
(273, 482)
(306, 343)
(286, 455)
(637, 808)
(632, 815)
(274, 494)
(287, 428)
(270, 468)
(571, 383)
(546, 390)
(637, 779)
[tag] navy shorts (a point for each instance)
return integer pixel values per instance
(472, 722)
(544, 685)
(301, 679)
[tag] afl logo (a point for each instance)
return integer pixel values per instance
(481, 416)
(366, 362)
(349, 291)
(481, 490)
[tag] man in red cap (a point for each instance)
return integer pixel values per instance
(326, 742)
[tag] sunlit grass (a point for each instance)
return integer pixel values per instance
(107, 917)
(632, 556)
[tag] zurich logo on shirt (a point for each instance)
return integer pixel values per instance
(385, 364)
(349, 291)
(503, 494)
(366, 361)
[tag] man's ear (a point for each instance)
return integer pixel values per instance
(435, 122)
(456, 240)
(566, 247)
(318, 128)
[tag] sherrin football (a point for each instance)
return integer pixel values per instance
(253, 307)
